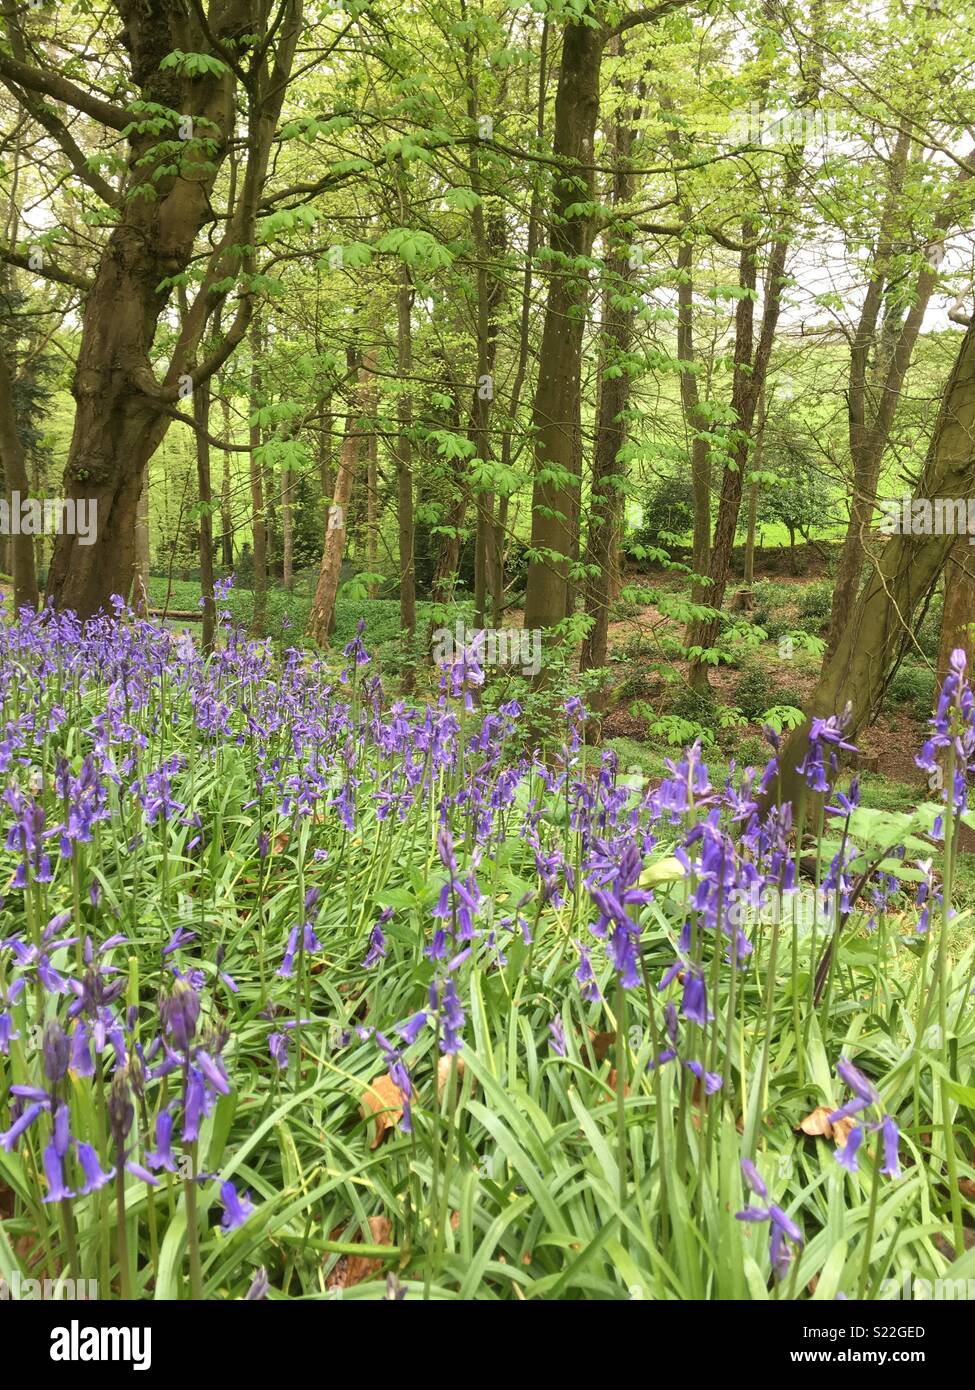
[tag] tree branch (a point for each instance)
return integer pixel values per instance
(60, 277)
(646, 16)
(61, 89)
(56, 128)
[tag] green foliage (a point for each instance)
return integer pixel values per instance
(701, 711)
(913, 686)
(755, 692)
(668, 510)
(815, 600)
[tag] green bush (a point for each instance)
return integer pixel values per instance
(928, 632)
(698, 709)
(771, 593)
(668, 509)
(914, 686)
(788, 695)
(752, 752)
(755, 693)
(777, 625)
(816, 600)
(624, 607)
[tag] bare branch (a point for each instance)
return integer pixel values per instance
(60, 89)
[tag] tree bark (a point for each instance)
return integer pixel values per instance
(258, 520)
(372, 508)
(555, 409)
(958, 616)
(486, 337)
(201, 414)
(121, 412)
(226, 511)
(141, 565)
(873, 404)
(16, 482)
(404, 471)
(323, 608)
(695, 422)
(448, 558)
(880, 624)
(751, 369)
(524, 339)
(605, 508)
(749, 576)
(287, 531)
(751, 366)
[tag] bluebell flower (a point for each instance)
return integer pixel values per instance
(236, 1209)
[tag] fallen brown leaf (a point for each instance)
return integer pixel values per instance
(841, 1130)
(945, 1247)
(354, 1269)
(601, 1043)
(817, 1124)
(382, 1100)
(443, 1075)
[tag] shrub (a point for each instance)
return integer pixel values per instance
(928, 633)
(755, 692)
(777, 625)
(752, 752)
(668, 509)
(914, 686)
(696, 709)
(789, 695)
(816, 600)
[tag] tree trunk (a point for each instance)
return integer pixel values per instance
(958, 617)
(880, 624)
(524, 332)
(605, 507)
(287, 531)
(404, 472)
(556, 405)
(120, 415)
(258, 522)
(751, 369)
(744, 398)
(750, 536)
(448, 558)
(372, 508)
(873, 405)
(201, 415)
(226, 510)
(323, 609)
(17, 490)
(695, 423)
(140, 568)
(325, 458)
(270, 486)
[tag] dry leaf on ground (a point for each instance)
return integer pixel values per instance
(382, 1100)
(817, 1124)
(354, 1269)
(443, 1075)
